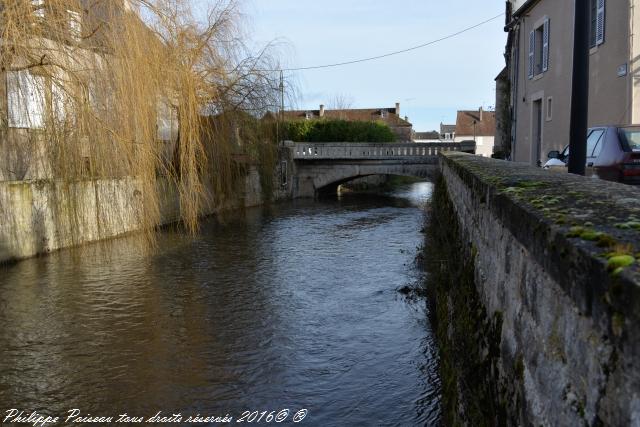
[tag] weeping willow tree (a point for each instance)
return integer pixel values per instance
(129, 91)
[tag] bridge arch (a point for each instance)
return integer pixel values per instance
(322, 166)
(321, 178)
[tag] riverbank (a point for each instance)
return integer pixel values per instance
(38, 217)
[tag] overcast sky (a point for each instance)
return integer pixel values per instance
(431, 83)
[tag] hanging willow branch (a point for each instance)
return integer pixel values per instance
(104, 90)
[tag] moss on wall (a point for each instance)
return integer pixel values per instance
(468, 337)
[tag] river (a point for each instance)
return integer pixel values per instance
(289, 307)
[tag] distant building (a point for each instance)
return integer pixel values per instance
(432, 136)
(479, 126)
(447, 132)
(401, 127)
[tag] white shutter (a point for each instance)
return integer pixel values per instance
(163, 120)
(545, 46)
(16, 102)
(532, 49)
(600, 23)
(75, 24)
(38, 6)
(25, 99)
(58, 102)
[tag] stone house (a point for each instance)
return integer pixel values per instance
(400, 126)
(539, 56)
(431, 136)
(447, 132)
(31, 98)
(479, 126)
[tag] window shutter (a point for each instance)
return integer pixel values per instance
(17, 104)
(600, 23)
(25, 100)
(532, 49)
(35, 85)
(58, 101)
(38, 6)
(545, 46)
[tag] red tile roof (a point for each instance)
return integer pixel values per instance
(485, 127)
(387, 115)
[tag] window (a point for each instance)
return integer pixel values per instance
(38, 7)
(632, 136)
(59, 101)
(539, 49)
(599, 145)
(549, 108)
(25, 100)
(75, 24)
(594, 137)
(597, 23)
(167, 121)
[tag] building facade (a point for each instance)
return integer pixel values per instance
(432, 136)
(447, 132)
(479, 126)
(37, 109)
(539, 55)
(401, 127)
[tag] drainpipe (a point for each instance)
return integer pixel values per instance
(474, 131)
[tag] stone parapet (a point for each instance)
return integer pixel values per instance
(555, 257)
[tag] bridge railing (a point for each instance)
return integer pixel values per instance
(365, 150)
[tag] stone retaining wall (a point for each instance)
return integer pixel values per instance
(38, 217)
(548, 331)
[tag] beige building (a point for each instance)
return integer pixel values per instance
(31, 99)
(539, 57)
(479, 126)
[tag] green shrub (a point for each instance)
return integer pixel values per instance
(337, 131)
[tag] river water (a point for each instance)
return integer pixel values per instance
(289, 307)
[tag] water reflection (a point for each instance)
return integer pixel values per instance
(288, 307)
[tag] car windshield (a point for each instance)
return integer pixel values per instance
(632, 136)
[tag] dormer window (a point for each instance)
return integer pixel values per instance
(75, 24)
(308, 115)
(383, 113)
(38, 8)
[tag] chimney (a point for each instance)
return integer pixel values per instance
(406, 118)
(480, 113)
(398, 109)
(321, 110)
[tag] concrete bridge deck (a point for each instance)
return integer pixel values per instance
(375, 151)
(322, 167)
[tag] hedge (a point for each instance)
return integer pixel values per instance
(337, 131)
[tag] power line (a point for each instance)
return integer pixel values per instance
(397, 52)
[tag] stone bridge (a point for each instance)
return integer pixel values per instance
(322, 167)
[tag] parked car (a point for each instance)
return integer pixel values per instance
(613, 153)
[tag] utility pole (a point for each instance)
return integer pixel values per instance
(579, 89)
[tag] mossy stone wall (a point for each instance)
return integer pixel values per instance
(536, 283)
